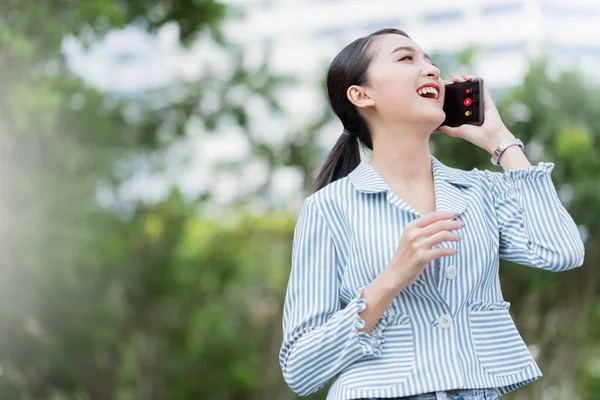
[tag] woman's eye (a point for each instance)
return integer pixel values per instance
(411, 57)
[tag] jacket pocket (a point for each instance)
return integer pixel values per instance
(394, 364)
(498, 344)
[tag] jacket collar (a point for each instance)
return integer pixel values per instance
(447, 185)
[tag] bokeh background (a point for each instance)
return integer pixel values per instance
(154, 156)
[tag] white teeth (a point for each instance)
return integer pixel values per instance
(428, 89)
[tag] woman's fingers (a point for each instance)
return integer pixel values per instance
(461, 78)
(439, 252)
(442, 252)
(438, 238)
(439, 226)
(432, 217)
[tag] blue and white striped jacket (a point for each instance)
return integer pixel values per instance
(451, 328)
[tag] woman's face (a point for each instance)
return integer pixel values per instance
(399, 67)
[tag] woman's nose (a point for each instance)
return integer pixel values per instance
(432, 71)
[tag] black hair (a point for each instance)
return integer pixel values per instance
(348, 68)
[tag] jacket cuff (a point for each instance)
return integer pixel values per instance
(543, 169)
(370, 343)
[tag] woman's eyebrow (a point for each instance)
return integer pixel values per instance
(425, 55)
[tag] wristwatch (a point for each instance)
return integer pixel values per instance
(503, 146)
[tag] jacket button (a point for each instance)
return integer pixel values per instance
(445, 321)
(450, 272)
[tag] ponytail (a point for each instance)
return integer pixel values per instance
(349, 67)
(343, 158)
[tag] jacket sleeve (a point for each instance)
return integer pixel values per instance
(535, 229)
(320, 338)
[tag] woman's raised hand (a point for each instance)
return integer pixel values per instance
(487, 135)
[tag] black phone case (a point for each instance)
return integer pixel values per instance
(456, 105)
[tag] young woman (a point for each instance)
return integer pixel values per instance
(394, 288)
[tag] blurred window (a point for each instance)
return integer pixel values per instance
(497, 9)
(442, 16)
(503, 48)
(569, 9)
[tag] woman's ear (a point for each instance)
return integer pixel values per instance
(359, 96)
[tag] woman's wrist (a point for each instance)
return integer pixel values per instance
(393, 281)
(378, 295)
(497, 139)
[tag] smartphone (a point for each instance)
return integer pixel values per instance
(463, 103)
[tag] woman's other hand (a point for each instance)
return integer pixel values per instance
(415, 249)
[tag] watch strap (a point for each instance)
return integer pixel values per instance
(503, 146)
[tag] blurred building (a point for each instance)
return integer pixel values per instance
(508, 33)
(303, 36)
(300, 38)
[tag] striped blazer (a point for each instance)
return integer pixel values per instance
(451, 328)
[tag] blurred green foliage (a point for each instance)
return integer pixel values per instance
(162, 301)
(557, 314)
(146, 303)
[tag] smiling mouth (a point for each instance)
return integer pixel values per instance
(431, 98)
(429, 92)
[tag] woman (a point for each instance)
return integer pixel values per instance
(394, 288)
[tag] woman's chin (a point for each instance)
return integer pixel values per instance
(435, 119)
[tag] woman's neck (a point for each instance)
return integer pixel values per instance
(402, 162)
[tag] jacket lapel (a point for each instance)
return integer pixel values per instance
(450, 187)
(449, 184)
(451, 194)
